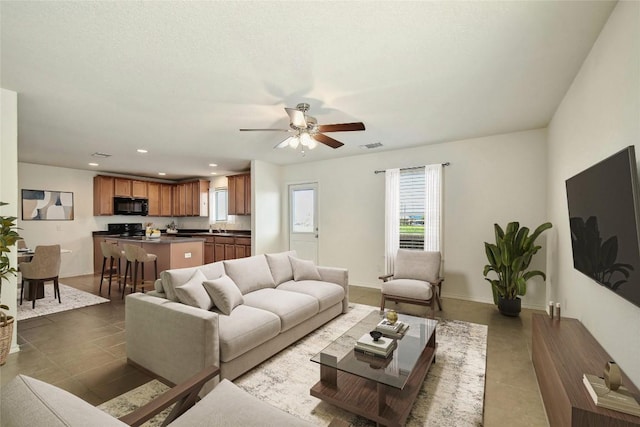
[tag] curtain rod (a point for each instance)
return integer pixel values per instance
(414, 167)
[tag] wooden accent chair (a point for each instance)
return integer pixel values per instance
(416, 279)
(44, 267)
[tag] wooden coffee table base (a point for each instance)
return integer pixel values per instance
(383, 404)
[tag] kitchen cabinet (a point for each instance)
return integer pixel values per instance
(153, 191)
(239, 193)
(191, 198)
(231, 247)
(166, 199)
(209, 250)
(103, 192)
(124, 187)
(242, 247)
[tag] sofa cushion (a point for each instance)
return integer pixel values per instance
(250, 274)
(28, 402)
(245, 328)
(280, 266)
(327, 294)
(224, 293)
(304, 269)
(193, 293)
(416, 264)
(179, 276)
(292, 308)
(408, 288)
(229, 405)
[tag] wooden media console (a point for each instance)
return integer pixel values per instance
(563, 350)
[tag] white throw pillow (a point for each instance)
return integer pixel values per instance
(280, 266)
(224, 293)
(304, 269)
(193, 293)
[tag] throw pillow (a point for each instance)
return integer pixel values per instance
(304, 269)
(193, 293)
(280, 266)
(224, 293)
(250, 274)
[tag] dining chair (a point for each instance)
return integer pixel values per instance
(416, 279)
(44, 267)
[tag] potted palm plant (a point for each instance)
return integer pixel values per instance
(8, 237)
(509, 259)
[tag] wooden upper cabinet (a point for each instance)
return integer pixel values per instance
(103, 191)
(139, 189)
(153, 191)
(122, 187)
(239, 193)
(166, 199)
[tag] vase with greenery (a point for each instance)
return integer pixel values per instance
(509, 258)
(8, 238)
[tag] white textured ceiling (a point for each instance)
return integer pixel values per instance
(180, 78)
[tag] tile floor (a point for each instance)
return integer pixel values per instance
(83, 351)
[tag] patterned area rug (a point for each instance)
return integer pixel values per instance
(71, 298)
(452, 394)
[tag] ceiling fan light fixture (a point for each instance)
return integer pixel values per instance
(294, 141)
(306, 140)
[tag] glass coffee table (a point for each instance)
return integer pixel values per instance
(377, 388)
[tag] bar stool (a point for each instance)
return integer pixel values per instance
(112, 252)
(137, 255)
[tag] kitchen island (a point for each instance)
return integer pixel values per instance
(172, 251)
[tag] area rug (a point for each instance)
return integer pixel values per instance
(71, 298)
(452, 394)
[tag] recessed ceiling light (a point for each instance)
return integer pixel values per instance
(141, 150)
(93, 164)
(214, 173)
(162, 173)
(213, 165)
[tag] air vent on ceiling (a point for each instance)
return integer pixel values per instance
(100, 155)
(371, 146)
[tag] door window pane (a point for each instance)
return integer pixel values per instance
(303, 211)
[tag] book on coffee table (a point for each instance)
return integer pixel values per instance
(385, 326)
(618, 400)
(382, 347)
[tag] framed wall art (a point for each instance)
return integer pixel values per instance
(41, 205)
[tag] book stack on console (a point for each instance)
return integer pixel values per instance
(618, 400)
(381, 348)
(393, 330)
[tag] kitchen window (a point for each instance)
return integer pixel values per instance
(219, 200)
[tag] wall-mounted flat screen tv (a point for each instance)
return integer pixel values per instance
(603, 217)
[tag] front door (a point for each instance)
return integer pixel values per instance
(303, 220)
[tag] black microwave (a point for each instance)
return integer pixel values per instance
(130, 206)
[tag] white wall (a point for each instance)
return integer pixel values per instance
(8, 189)
(498, 178)
(599, 115)
(265, 208)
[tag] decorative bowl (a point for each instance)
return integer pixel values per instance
(375, 335)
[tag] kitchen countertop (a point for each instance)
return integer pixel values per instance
(187, 233)
(161, 240)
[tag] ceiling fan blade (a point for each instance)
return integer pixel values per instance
(341, 127)
(296, 117)
(326, 140)
(284, 143)
(272, 130)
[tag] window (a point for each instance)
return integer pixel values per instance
(218, 199)
(412, 208)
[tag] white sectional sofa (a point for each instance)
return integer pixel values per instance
(232, 314)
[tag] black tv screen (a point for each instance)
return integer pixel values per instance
(603, 217)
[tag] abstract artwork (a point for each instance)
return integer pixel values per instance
(47, 205)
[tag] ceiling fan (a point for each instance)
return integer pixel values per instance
(307, 132)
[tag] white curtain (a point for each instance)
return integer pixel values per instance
(392, 217)
(433, 208)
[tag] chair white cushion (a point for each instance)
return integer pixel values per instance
(28, 402)
(408, 288)
(193, 292)
(224, 293)
(416, 264)
(250, 274)
(280, 266)
(304, 269)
